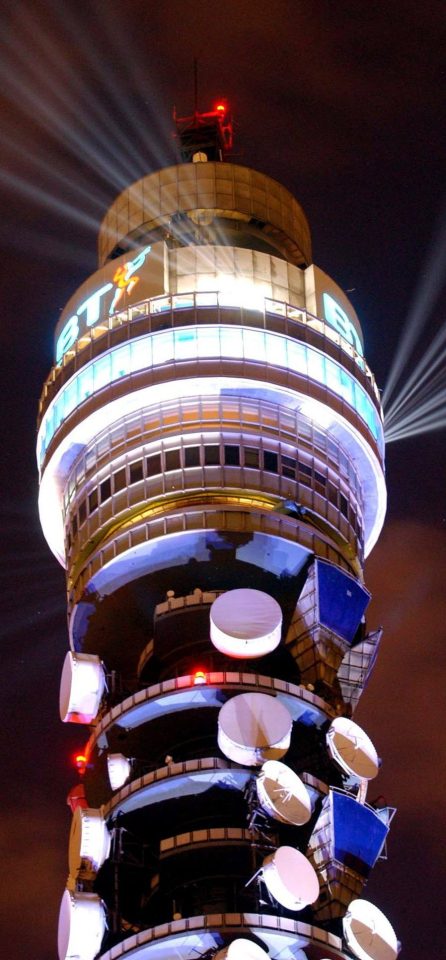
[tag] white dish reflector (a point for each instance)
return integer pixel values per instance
(242, 950)
(119, 769)
(245, 623)
(290, 878)
(82, 685)
(368, 933)
(89, 839)
(254, 727)
(282, 794)
(352, 749)
(81, 926)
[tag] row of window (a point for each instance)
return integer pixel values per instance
(153, 422)
(208, 342)
(209, 455)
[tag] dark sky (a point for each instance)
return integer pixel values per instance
(341, 101)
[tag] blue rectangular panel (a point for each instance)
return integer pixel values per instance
(342, 600)
(358, 833)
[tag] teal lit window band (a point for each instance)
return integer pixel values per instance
(207, 342)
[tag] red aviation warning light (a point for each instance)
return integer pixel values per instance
(209, 133)
(199, 677)
(80, 761)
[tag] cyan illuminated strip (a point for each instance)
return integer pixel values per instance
(207, 342)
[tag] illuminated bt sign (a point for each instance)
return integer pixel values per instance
(89, 312)
(337, 318)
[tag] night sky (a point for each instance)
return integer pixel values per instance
(341, 101)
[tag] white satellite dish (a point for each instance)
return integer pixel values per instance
(352, 749)
(282, 794)
(89, 839)
(245, 623)
(119, 769)
(82, 686)
(368, 933)
(81, 926)
(254, 727)
(241, 949)
(290, 878)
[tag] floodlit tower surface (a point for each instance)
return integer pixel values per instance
(211, 455)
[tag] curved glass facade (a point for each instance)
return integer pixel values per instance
(208, 342)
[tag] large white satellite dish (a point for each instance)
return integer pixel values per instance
(254, 727)
(282, 794)
(89, 839)
(81, 926)
(241, 949)
(368, 933)
(290, 878)
(119, 769)
(245, 623)
(82, 685)
(352, 749)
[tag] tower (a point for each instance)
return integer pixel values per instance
(211, 455)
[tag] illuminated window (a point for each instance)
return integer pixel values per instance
(85, 382)
(101, 372)
(121, 364)
(140, 355)
(163, 347)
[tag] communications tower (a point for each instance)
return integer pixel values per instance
(210, 448)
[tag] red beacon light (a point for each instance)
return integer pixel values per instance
(220, 108)
(80, 761)
(199, 677)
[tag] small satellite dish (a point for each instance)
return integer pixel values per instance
(81, 926)
(282, 794)
(254, 727)
(290, 878)
(368, 933)
(241, 949)
(89, 840)
(82, 685)
(119, 769)
(245, 623)
(352, 749)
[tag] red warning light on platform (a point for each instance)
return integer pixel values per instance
(199, 676)
(80, 762)
(220, 108)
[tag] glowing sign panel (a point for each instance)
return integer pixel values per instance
(337, 318)
(116, 291)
